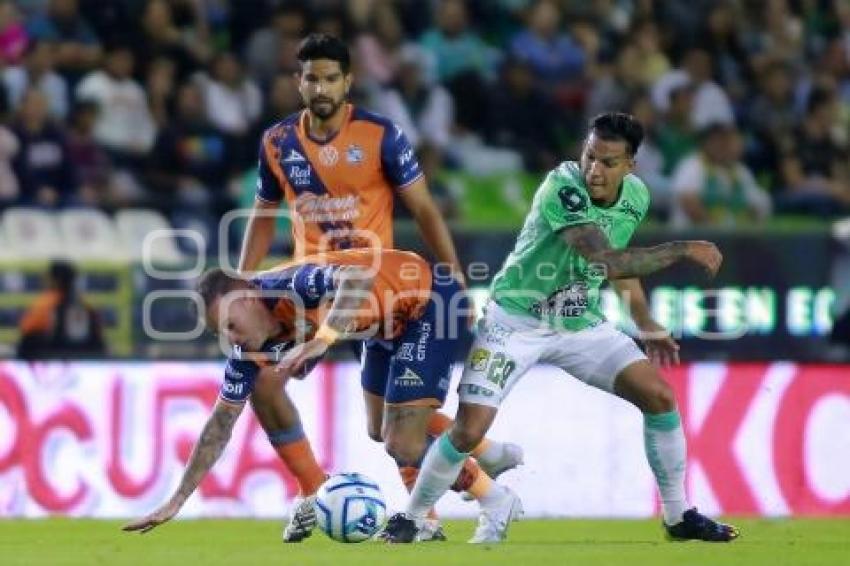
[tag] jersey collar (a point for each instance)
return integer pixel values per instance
(302, 124)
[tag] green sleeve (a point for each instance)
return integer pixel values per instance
(564, 205)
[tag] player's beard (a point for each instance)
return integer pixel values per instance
(324, 108)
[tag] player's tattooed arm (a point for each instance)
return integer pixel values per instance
(210, 445)
(207, 451)
(593, 245)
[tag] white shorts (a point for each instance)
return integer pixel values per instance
(508, 345)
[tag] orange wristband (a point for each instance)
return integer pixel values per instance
(327, 334)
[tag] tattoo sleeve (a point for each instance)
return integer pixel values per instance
(210, 445)
(593, 245)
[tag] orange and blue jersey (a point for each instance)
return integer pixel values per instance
(339, 188)
(415, 316)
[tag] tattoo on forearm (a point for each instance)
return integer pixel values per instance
(592, 243)
(210, 445)
(636, 262)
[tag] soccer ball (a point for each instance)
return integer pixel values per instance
(350, 507)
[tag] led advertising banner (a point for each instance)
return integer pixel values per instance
(111, 440)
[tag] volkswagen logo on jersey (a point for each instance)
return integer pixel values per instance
(328, 155)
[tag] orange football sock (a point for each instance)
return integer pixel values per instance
(300, 461)
(440, 423)
(408, 477)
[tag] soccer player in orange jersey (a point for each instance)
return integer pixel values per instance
(388, 296)
(337, 168)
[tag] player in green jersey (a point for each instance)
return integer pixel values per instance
(545, 308)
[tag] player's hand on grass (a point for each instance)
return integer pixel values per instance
(158, 517)
(705, 254)
(292, 364)
(661, 349)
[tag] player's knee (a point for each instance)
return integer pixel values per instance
(465, 438)
(660, 399)
(405, 451)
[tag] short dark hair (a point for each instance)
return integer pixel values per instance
(63, 275)
(618, 126)
(215, 283)
(324, 46)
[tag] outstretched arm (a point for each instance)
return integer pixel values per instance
(593, 245)
(418, 200)
(207, 451)
(661, 349)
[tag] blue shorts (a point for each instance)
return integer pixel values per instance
(415, 368)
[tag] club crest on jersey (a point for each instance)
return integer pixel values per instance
(354, 154)
(294, 157)
(478, 359)
(328, 155)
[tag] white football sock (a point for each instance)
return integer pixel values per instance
(439, 470)
(664, 442)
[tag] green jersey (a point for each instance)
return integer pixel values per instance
(546, 278)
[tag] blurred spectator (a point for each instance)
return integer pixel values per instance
(283, 99)
(112, 21)
(189, 164)
(814, 167)
(676, 133)
(60, 323)
(159, 36)
(424, 111)
(772, 117)
(553, 55)
(649, 160)
(124, 126)
(779, 37)
(523, 117)
(652, 60)
(332, 21)
(13, 34)
(43, 165)
(615, 89)
(272, 49)
(377, 48)
(77, 49)
(37, 73)
(713, 186)
(711, 103)
(464, 62)
(101, 184)
(455, 46)
(9, 147)
(233, 101)
(160, 86)
(722, 40)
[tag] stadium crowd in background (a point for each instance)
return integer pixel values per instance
(160, 102)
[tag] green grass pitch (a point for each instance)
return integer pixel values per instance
(532, 542)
